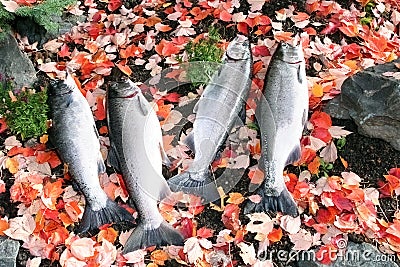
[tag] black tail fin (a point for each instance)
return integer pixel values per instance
(141, 237)
(112, 213)
(203, 186)
(284, 203)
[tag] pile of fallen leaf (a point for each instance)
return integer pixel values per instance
(143, 39)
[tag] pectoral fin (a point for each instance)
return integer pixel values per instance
(112, 158)
(164, 156)
(189, 141)
(143, 105)
(294, 155)
(101, 168)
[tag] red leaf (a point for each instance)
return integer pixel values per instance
(325, 216)
(257, 67)
(243, 28)
(114, 5)
(172, 97)
(261, 50)
(307, 156)
(205, 232)
(186, 227)
(321, 119)
(225, 16)
(230, 217)
(275, 235)
(326, 253)
(322, 133)
(50, 157)
(341, 202)
(166, 49)
(100, 113)
(3, 125)
(395, 172)
(64, 51)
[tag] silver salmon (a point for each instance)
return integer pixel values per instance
(217, 111)
(281, 114)
(136, 150)
(75, 137)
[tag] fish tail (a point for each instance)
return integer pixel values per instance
(142, 237)
(201, 184)
(111, 213)
(274, 202)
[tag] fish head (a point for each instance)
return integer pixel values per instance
(59, 87)
(123, 88)
(238, 49)
(289, 53)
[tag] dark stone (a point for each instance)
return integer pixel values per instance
(15, 64)
(372, 101)
(26, 26)
(364, 254)
(8, 252)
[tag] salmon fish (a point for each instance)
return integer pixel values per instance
(137, 151)
(281, 114)
(75, 137)
(218, 109)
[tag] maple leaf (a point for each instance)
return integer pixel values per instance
(21, 228)
(82, 248)
(205, 232)
(230, 217)
(166, 49)
(51, 192)
(193, 249)
(290, 224)
(302, 240)
(108, 234)
(275, 235)
(159, 257)
(283, 36)
(235, 198)
(248, 253)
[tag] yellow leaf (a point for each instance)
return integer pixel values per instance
(235, 198)
(317, 90)
(12, 165)
(158, 257)
(44, 138)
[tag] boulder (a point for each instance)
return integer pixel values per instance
(8, 252)
(371, 98)
(364, 254)
(16, 64)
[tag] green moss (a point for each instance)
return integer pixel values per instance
(205, 50)
(42, 13)
(25, 112)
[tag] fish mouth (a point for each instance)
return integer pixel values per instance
(239, 48)
(292, 54)
(58, 88)
(123, 88)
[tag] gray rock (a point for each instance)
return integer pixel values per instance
(363, 254)
(16, 64)
(372, 101)
(8, 252)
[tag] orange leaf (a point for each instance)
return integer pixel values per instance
(283, 36)
(159, 257)
(317, 90)
(257, 67)
(243, 28)
(235, 198)
(124, 68)
(313, 167)
(344, 162)
(349, 29)
(53, 190)
(275, 235)
(321, 119)
(3, 226)
(108, 234)
(256, 176)
(3, 125)
(205, 232)
(150, 22)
